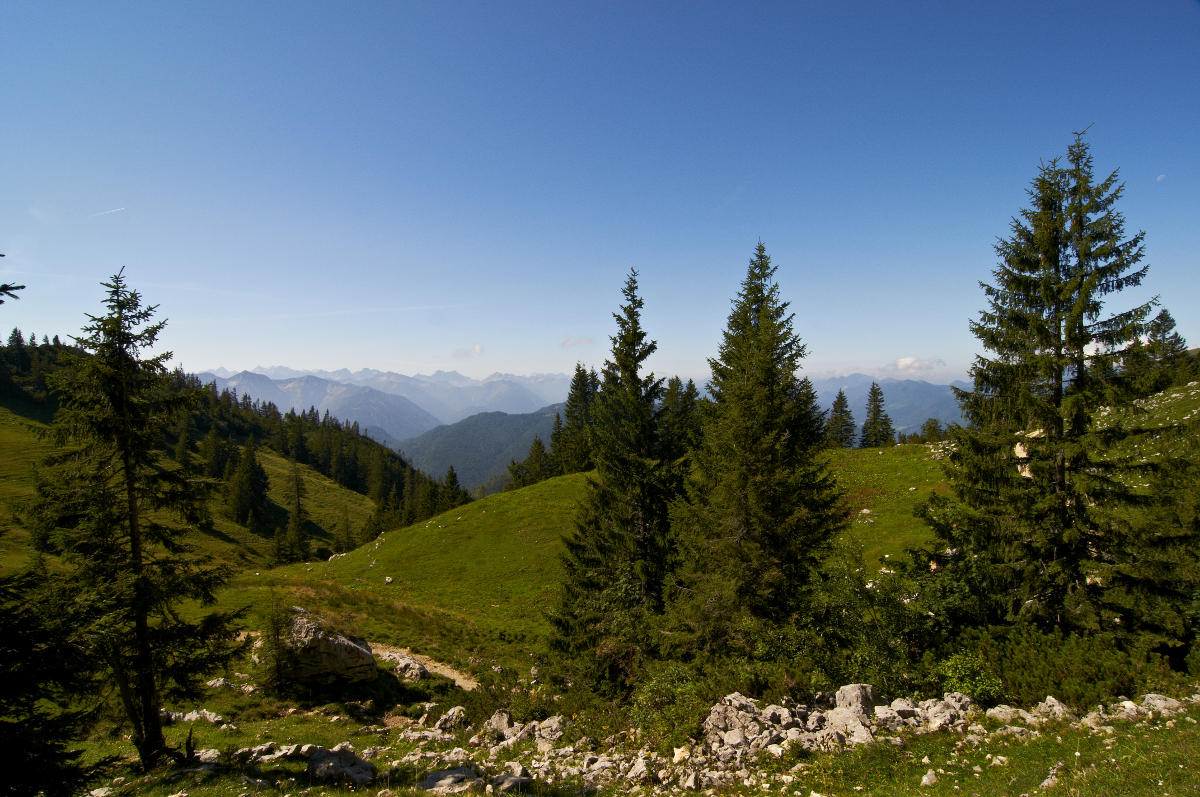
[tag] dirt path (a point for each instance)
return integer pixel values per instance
(463, 680)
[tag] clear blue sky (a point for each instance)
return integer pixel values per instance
(457, 185)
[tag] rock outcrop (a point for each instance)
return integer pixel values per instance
(318, 656)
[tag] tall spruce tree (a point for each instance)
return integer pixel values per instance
(761, 507)
(1028, 535)
(877, 429)
(840, 429)
(616, 558)
(102, 509)
(572, 445)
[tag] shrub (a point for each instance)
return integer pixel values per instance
(966, 672)
(1081, 670)
(669, 703)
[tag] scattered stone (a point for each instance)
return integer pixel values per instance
(1161, 705)
(406, 667)
(929, 779)
(454, 718)
(340, 764)
(452, 781)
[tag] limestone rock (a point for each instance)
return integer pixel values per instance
(340, 764)
(406, 667)
(317, 656)
(453, 781)
(456, 717)
(1162, 705)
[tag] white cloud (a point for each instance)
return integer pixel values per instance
(1161, 177)
(474, 351)
(581, 341)
(105, 212)
(916, 365)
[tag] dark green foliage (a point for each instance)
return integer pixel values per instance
(573, 444)
(294, 544)
(1038, 488)
(450, 492)
(840, 429)
(877, 428)
(761, 509)
(869, 629)
(107, 507)
(1079, 669)
(1153, 366)
(679, 420)
(969, 674)
(616, 559)
(42, 694)
(248, 500)
(1150, 567)
(537, 466)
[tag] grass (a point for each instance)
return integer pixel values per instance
(21, 449)
(472, 583)
(1146, 758)
(884, 486)
(23, 446)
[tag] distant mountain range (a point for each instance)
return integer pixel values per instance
(480, 447)
(908, 402)
(480, 425)
(391, 407)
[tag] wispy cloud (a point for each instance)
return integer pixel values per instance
(580, 341)
(474, 351)
(106, 212)
(1160, 178)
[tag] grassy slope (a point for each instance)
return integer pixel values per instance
(889, 483)
(471, 583)
(23, 447)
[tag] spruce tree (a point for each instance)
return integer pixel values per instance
(877, 429)
(616, 558)
(573, 444)
(296, 534)
(761, 507)
(1028, 535)
(126, 561)
(680, 420)
(248, 490)
(840, 429)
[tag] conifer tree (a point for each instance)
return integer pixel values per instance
(248, 490)
(840, 429)
(761, 508)
(616, 558)
(129, 566)
(573, 444)
(1028, 534)
(877, 429)
(450, 492)
(296, 535)
(680, 419)
(534, 468)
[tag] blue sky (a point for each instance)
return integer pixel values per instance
(422, 186)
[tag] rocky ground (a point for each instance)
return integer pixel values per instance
(741, 745)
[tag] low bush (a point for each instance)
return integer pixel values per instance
(1080, 670)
